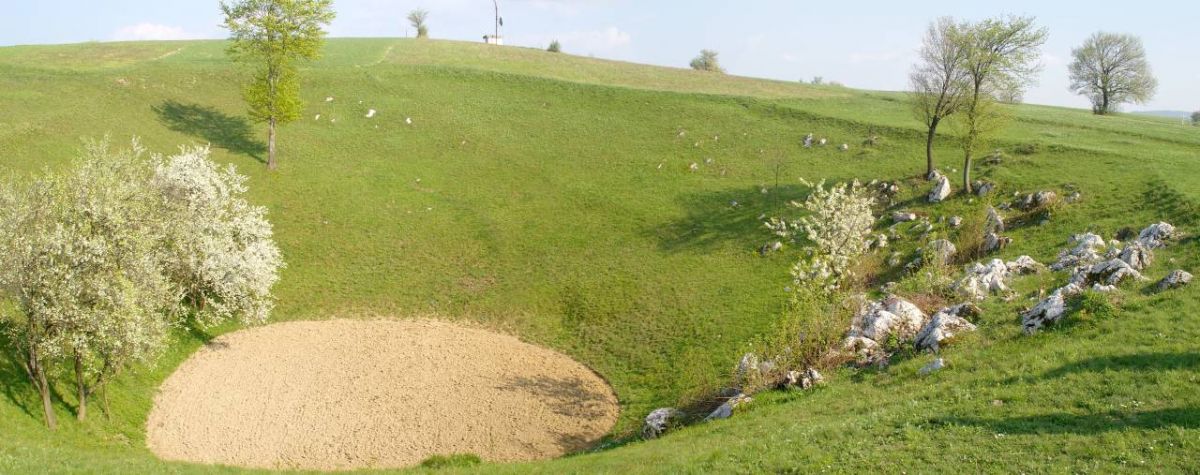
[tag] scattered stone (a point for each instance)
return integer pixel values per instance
(994, 223)
(329, 99)
(1048, 311)
(865, 351)
(808, 140)
(955, 221)
(370, 113)
(1085, 252)
(801, 379)
(894, 316)
(981, 280)
(878, 242)
(894, 259)
(408, 120)
(661, 420)
(941, 189)
(1110, 272)
(725, 410)
(1137, 255)
(1037, 200)
(994, 242)
(938, 252)
(1154, 235)
(933, 366)
(1074, 197)
(1177, 278)
(844, 147)
(905, 217)
(1024, 265)
(770, 247)
(945, 324)
(318, 117)
(693, 167)
(983, 188)
(823, 141)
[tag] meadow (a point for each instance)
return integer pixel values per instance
(550, 196)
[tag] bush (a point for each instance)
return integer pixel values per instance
(555, 47)
(707, 61)
(838, 225)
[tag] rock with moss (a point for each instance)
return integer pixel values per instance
(660, 421)
(945, 324)
(1176, 279)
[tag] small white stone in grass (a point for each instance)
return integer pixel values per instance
(370, 113)
(333, 120)
(329, 99)
(408, 120)
(660, 166)
(318, 117)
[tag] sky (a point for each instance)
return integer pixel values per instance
(862, 44)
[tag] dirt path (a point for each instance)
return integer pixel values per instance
(344, 394)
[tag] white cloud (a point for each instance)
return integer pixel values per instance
(150, 31)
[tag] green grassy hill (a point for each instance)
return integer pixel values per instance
(550, 196)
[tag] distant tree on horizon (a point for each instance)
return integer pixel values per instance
(938, 81)
(1001, 59)
(417, 18)
(555, 47)
(273, 35)
(1196, 118)
(707, 61)
(1111, 69)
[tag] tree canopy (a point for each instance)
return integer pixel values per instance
(1111, 69)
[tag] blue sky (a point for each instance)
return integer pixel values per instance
(865, 44)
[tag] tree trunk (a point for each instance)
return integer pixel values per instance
(81, 387)
(271, 145)
(929, 147)
(37, 376)
(967, 174)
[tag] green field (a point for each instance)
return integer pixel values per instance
(550, 196)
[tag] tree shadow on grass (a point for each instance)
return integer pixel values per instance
(209, 124)
(727, 216)
(1134, 362)
(1084, 424)
(13, 377)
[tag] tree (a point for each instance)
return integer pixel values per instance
(1111, 69)
(417, 19)
(220, 249)
(838, 224)
(82, 268)
(938, 80)
(1196, 118)
(273, 35)
(96, 265)
(707, 61)
(555, 47)
(1001, 59)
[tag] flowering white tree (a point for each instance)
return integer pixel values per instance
(222, 254)
(838, 224)
(98, 263)
(81, 263)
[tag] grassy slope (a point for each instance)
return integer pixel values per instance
(539, 206)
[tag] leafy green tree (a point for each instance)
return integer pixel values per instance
(1111, 69)
(417, 18)
(1196, 118)
(555, 47)
(273, 35)
(707, 61)
(1001, 59)
(939, 80)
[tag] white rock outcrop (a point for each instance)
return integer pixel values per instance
(945, 324)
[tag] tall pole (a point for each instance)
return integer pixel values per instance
(496, 3)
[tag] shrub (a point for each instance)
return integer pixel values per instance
(838, 225)
(1029, 148)
(418, 19)
(707, 61)
(555, 47)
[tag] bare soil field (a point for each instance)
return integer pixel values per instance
(345, 394)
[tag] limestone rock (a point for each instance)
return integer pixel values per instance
(939, 252)
(994, 223)
(1110, 272)
(955, 221)
(661, 420)
(1137, 255)
(932, 367)
(981, 280)
(993, 242)
(945, 324)
(900, 217)
(941, 190)
(1024, 265)
(770, 248)
(1155, 235)
(1177, 278)
(1085, 252)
